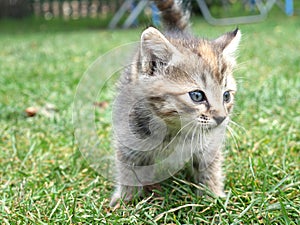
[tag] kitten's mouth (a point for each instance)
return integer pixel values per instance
(205, 122)
(208, 123)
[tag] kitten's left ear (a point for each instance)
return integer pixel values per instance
(156, 49)
(229, 42)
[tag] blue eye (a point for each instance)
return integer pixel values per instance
(226, 96)
(197, 96)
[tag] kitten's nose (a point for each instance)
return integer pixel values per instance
(219, 119)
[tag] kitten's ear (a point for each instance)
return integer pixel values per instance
(229, 42)
(155, 50)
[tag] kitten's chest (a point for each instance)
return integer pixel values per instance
(180, 142)
(191, 141)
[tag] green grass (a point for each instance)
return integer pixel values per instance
(45, 180)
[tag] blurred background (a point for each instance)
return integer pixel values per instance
(126, 13)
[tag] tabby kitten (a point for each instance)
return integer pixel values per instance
(173, 106)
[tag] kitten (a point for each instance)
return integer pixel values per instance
(173, 106)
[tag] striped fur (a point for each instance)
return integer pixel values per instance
(154, 103)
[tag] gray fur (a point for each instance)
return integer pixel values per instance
(155, 117)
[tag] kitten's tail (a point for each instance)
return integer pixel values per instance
(175, 14)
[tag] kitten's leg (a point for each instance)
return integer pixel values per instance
(209, 173)
(130, 179)
(125, 175)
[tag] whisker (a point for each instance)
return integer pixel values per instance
(204, 131)
(193, 151)
(193, 135)
(174, 137)
(184, 141)
(236, 135)
(238, 125)
(201, 138)
(204, 140)
(231, 131)
(199, 142)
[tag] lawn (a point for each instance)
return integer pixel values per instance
(45, 180)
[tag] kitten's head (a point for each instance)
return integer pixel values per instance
(188, 77)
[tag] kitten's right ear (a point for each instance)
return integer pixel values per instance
(229, 42)
(155, 50)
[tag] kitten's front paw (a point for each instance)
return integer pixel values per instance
(222, 194)
(217, 192)
(115, 199)
(124, 194)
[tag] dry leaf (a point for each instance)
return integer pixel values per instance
(31, 111)
(102, 105)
